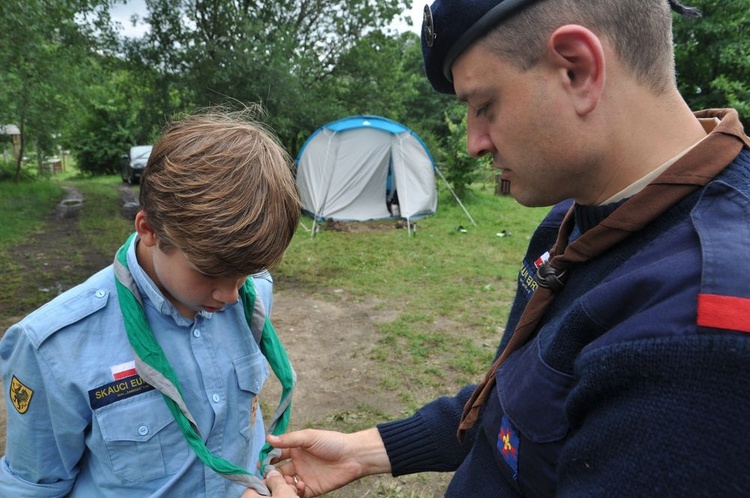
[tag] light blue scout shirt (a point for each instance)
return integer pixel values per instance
(81, 422)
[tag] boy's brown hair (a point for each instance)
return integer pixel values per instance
(219, 187)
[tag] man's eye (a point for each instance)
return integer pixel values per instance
(481, 110)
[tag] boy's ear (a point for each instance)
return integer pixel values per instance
(579, 55)
(144, 229)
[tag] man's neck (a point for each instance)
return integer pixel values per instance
(648, 132)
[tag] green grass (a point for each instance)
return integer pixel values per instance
(101, 223)
(451, 290)
(23, 207)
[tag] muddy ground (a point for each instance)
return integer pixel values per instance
(328, 335)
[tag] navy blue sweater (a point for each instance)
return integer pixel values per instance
(638, 381)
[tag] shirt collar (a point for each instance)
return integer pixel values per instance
(148, 289)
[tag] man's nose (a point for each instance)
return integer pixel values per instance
(478, 140)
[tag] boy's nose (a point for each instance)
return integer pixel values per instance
(227, 293)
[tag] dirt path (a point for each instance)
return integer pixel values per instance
(328, 336)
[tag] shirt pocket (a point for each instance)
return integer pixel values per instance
(252, 373)
(142, 439)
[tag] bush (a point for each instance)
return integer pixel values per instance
(8, 172)
(100, 142)
(461, 170)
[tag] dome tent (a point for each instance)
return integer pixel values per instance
(363, 168)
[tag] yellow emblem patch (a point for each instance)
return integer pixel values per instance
(20, 395)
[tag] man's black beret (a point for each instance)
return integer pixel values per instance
(450, 26)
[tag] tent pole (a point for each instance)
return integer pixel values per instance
(312, 230)
(455, 196)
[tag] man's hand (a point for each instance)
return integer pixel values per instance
(325, 460)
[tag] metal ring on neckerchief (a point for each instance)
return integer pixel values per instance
(551, 278)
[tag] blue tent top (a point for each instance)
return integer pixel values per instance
(378, 122)
(366, 121)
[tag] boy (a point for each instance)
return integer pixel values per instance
(144, 379)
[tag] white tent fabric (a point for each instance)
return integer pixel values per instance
(343, 171)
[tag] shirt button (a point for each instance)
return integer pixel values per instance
(100, 293)
(143, 430)
(216, 398)
(196, 333)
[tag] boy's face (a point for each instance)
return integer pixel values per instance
(187, 288)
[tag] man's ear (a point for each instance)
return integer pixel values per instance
(579, 55)
(144, 229)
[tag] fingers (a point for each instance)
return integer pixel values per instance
(280, 487)
(287, 442)
(299, 485)
(285, 466)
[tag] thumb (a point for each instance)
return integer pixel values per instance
(290, 439)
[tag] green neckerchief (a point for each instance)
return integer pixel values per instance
(154, 368)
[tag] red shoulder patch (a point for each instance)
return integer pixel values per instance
(724, 312)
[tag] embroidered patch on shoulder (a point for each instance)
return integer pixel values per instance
(20, 395)
(507, 444)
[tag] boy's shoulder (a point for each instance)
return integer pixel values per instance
(70, 307)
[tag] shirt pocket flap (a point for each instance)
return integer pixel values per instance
(251, 372)
(533, 395)
(137, 419)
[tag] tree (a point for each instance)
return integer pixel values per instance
(114, 118)
(461, 169)
(44, 42)
(712, 55)
(281, 53)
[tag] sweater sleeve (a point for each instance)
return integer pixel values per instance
(427, 440)
(679, 430)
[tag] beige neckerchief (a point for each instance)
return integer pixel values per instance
(708, 125)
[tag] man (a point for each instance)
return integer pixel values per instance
(627, 371)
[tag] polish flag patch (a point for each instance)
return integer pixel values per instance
(541, 260)
(123, 370)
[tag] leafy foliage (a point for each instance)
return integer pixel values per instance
(43, 47)
(111, 123)
(462, 170)
(711, 53)
(279, 53)
(69, 80)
